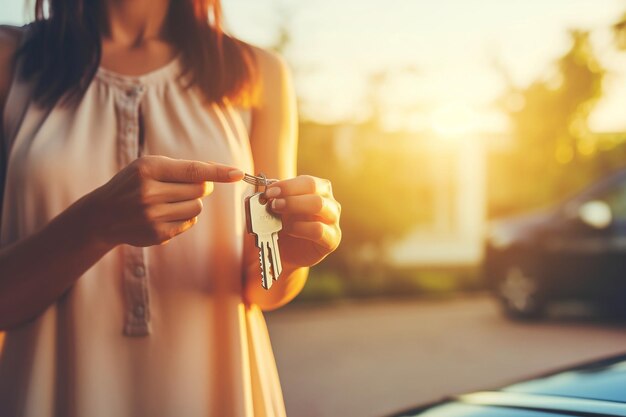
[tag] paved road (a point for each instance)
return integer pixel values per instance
(371, 358)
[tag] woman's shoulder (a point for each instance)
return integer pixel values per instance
(10, 37)
(272, 73)
(267, 59)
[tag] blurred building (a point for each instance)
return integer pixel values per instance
(456, 175)
(444, 188)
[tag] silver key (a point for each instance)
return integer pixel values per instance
(265, 225)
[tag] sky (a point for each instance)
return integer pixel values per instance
(440, 54)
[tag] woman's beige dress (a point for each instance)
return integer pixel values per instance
(157, 331)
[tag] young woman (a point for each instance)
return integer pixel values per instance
(128, 285)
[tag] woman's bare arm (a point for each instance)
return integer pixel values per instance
(309, 211)
(36, 271)
(61, 252)
(149, 202)
(274, 148)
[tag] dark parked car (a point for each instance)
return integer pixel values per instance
(574, 250)
(596, 389)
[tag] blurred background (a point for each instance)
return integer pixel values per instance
(433, 117)
(436, 120)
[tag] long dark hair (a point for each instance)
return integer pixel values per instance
(62, 52)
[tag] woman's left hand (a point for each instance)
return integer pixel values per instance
(310, 216)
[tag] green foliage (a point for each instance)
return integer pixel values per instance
(328, 285)
(554, 152)
(323, 285)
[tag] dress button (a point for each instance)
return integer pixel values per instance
(135, 91)
(140, 271)
(139, 311)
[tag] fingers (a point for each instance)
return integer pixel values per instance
(309, 212)
(307, 195)
(179, 170)
(172, 229)
(313, 205)
(322, 234)
(170, 192)
(173, 212)
(301, 185)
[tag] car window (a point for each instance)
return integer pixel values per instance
(616, 199)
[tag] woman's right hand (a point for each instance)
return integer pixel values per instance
(153, 199)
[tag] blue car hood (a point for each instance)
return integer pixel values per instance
(604, 380)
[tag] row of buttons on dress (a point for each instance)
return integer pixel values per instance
(134, 93)
(140, 272)
(137, 322)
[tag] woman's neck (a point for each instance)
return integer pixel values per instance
(131, 23)
(135, 37)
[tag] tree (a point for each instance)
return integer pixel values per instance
(553, 145)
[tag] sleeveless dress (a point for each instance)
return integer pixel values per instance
(160, 331)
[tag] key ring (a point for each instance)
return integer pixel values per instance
(259, 184)
(258, 181)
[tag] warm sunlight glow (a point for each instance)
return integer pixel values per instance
(453, 120)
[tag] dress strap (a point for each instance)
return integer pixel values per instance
(16, 104)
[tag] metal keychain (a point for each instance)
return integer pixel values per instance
(264, 225)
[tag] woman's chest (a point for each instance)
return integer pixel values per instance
(73, 150)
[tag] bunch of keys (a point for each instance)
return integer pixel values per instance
(264, 225)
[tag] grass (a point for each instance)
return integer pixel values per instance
(327, 285)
